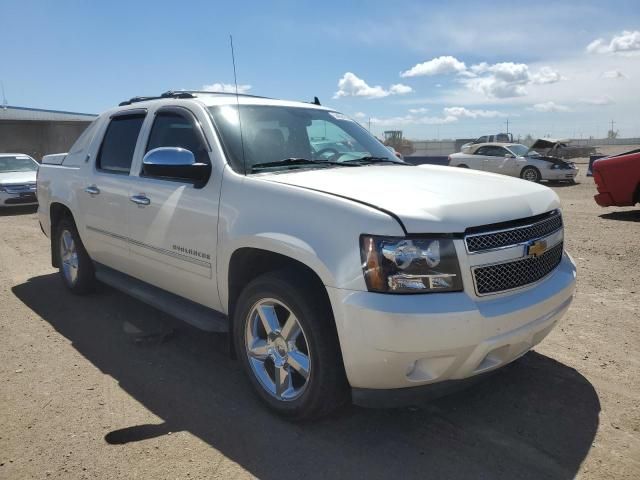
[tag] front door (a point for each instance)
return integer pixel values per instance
(173, 223)
(480, 158)
(500, 160)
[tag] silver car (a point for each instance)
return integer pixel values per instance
(17, 180)
(515, 160)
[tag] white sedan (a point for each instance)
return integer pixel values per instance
(17, 180)
(515, 160)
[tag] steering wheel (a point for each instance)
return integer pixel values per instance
(335, 154)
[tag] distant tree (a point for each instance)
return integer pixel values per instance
(612, 134)
(528, 140)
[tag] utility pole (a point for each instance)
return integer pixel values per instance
(4, 99)
(507, 126)
(369, 124)
(612, 124)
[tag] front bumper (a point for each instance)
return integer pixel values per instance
(400, 341)
(16, 199)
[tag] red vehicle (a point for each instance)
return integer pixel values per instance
(618, 179)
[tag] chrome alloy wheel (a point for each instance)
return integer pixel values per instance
(69, 257)
(277, 349)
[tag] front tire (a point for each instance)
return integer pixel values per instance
(531, 174)
(285, 337)
(76, 267)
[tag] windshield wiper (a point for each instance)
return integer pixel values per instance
(297, 161)
(369, 160)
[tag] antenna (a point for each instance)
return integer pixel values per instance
(235, 80)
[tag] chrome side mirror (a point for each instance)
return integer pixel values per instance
(175, 163)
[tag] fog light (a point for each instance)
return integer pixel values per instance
(421, 282)
(402, 282)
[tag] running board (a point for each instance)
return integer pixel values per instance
(190, 312)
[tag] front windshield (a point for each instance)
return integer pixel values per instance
(17, 164)
(272, 134)
(518, 150)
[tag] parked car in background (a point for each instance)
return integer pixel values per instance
(350, 276)
(498, 137)
(555, 148)
(515, 160)
(17, 180)
(618, 179)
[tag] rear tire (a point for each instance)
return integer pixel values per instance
(76, 267)
(462, 165)
(531, 174)
(285, 337)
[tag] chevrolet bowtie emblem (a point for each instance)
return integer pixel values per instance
(536, 248)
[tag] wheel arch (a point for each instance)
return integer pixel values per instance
(533, 167)
(248, 263)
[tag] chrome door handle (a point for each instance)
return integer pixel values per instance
(140, 199)
(92, 190)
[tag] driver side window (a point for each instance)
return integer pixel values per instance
(328, 140)
(172, 129)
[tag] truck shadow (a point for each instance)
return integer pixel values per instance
(624, 216)
(537, 418)
(20, 210)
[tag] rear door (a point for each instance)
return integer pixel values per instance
(104, 193)
(173, 237)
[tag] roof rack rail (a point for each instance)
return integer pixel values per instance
(182, 94)
(169, 94)
(210, 92)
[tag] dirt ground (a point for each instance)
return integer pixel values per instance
(105, 387)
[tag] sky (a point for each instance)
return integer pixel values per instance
(454, 69)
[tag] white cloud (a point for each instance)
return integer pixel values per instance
(627, 42)
(449, 115)
(546, 75)
(400, 89)
(360, 115)
(613, 74)
(604, 100)
(507, 79)
(459, 112)
(550, 107)
(406, 120)
(226, 88)
(350, 85)
(436, 66)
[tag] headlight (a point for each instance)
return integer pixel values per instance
(409, 265)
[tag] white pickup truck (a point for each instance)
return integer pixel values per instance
(340, 272)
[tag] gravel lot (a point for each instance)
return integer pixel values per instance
(106, 387)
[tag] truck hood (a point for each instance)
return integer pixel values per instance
(430, 198)
(10, 178)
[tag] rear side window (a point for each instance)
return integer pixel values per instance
(84, 139)
(172, 129)
(119, 143)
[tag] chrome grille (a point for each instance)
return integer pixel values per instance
(20, 188)
(507, 276)
(513, 236)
